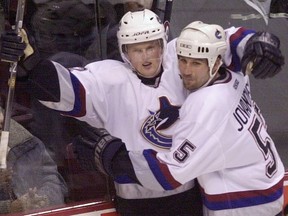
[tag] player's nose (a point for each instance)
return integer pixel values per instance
(186, 70)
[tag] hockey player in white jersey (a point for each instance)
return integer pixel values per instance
(221, 138)
(145, 99)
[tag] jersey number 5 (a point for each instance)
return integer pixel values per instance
(265, 147)
(183, 151)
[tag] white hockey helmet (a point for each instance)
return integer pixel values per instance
(140, 26)
(201, 40)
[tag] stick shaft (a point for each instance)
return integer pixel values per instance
(168, 10)
(12, 81)
(3, 149)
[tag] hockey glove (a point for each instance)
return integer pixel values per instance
(97, 145)
(262, 56)
(107, 153)
(84, 153)
(20, 48)
(12, 47)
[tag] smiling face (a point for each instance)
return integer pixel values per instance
(146, 57)
(194, 72)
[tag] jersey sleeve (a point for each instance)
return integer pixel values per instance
(236, 39)
(44, 83)
(77, 92)
(167, 171)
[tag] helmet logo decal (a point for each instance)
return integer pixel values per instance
(158, 121)
(218, 34)
(187, 46)
(140, 33)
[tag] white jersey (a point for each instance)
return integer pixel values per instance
(108, 94)
(222, 140)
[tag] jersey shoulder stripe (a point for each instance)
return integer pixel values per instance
(79, 109)
(235, 40)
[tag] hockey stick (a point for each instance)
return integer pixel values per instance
(10, 97)
(167, 15)
(168, 10)
(262, 7)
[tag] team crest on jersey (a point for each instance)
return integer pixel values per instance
(154, 126)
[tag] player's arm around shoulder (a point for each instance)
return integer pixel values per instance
(236, 39)
(256, 53)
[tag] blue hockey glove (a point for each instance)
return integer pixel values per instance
(262, 56)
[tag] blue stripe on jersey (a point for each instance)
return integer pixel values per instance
(79, 109)
(160, 171)
(235, 39)
(243, 199)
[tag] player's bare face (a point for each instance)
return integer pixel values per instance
(146, 57)
(194, 72)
